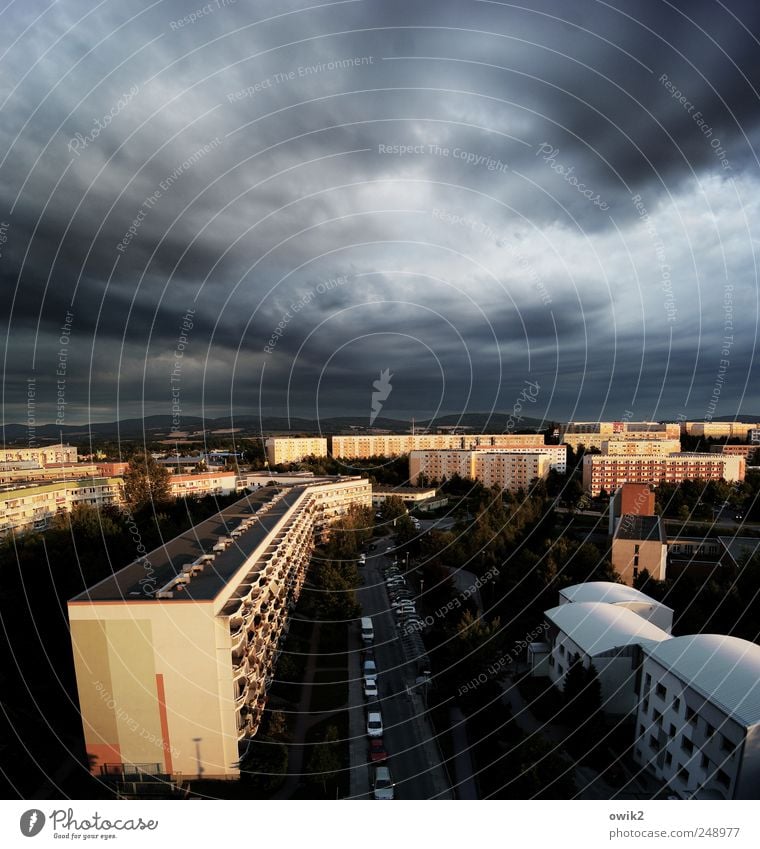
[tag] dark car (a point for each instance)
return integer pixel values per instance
(377, 753)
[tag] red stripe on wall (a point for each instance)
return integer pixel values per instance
(164, 723)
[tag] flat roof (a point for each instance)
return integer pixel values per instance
(740, 547)
(632, 526)
(725, 670)
(166, 562)
(598, 627)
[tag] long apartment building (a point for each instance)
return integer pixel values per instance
(592, 434)
(609, 471)
(293, 449)
(719, 430)
(42, 456)
(363, 446)
(203, 483)
(656, 447)
(174, 654)
(30, 508)
(507, 468)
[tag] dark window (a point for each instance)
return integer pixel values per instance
(661, 691)
(646, 705)
(657, 717)
(635, 571)
(653, 744)
(668, 759)
(705, 764)
(722, 778)
(691, 714)
(647, 681)
(676, 703)
(683, 774)
(562, 650)
(687, 745)
(726, 744)
(709, 730)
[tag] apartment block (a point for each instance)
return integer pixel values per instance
(754, 435)
(698, 717)
(290, 449)
(175, 653)
(42, 456)
(363, 446)
(747, 451)
(31, 508)
(503, 468)
(646, 447)
(608, 472)
(592, 434)
(203, 483)
(19, 474)
(719, 430)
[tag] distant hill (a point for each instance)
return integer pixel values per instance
(159, 427)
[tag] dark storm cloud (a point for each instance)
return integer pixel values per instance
(470, 193)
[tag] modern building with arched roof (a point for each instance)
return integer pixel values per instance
(623, 596)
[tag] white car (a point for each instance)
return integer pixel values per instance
(370, 688)
(370, 669)
(374, 724)
(382, 785)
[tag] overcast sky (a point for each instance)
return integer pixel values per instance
(473, 195)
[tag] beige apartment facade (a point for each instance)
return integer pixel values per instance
(719, 430)
(510, 470)
(293, 449)
(654, 447)
(42, 456)
(593, 434)
(175, 653)
(363, 446)
(608, 472)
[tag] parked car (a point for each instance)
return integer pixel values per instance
(382, 785)
(370, 688)
(369, 669)
(374, 724)
(377, 753)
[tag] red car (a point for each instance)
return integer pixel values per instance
(377, 753)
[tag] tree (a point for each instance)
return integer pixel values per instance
(325, 761)
(145, 482)
(582, 691)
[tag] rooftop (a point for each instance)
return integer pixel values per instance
(634, 527)
(725, 670)
(598, 627)
(606, 591)
(740, 547)
(142, 577)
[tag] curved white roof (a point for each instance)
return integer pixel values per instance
(725, 670)
(598, 627)
(606, 591)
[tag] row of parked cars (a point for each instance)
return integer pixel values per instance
(382, 784)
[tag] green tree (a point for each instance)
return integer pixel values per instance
(325, 760)
(146, 482)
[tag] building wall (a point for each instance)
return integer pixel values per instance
(593, 434)
(43, 456)
(608, 472)
(396, 445)
(287, 449)
(718, 430)
(631, 557)
(645, 447)
(204, 483)
(662, 726)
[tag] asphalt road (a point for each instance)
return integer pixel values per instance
(414, 761)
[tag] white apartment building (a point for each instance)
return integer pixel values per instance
(30, 508)
(698, 719)
(42, 456)
(609, 471)
(621, 595)
(293, 449)
(363, 446)
(175, 653)
(492, 467)
(592, 434)
(203, 483)
(608, 635)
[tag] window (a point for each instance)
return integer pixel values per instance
(653, 744)
(725, 743)
(709, 730)
(683, 774)
(661, 691)
(673, 730)
(668, 759)
(705, 762)
(635, 572)
(691, 715)
(722, 778)
(647, 681)
(657, 717)
(676, 704)
(687, 746)
(562, 650)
